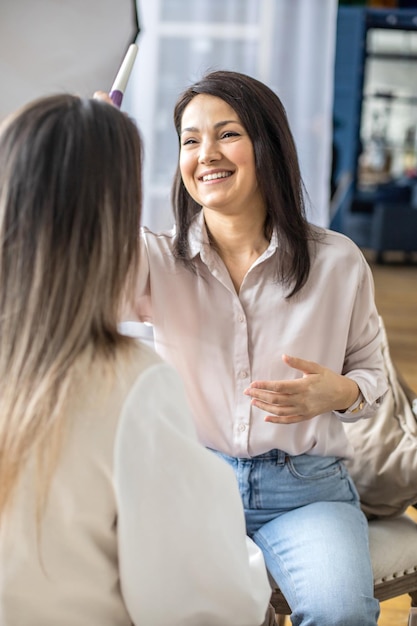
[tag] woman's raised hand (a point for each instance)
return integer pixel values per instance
(102, 95)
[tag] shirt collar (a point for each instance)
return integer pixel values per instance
(197, 235)
(198, 238)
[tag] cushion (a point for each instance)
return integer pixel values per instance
(384, 466)
(393, 547)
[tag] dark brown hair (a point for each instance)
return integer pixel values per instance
(264, 118)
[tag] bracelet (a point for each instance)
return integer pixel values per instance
(357, 405)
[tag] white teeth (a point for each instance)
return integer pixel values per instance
(217, 175)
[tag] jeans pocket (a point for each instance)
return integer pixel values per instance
(309, 467)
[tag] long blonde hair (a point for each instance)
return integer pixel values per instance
(70, 199)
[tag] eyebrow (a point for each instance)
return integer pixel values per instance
(194, 129)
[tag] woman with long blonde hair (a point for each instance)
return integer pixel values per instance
(108, 504)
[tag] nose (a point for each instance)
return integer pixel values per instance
(209, 151)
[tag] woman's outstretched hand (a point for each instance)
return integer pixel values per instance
(319, 390)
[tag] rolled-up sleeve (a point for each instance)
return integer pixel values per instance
(364, 362)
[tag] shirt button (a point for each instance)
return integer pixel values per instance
(242, 427)
(243, 374)
(241, 318)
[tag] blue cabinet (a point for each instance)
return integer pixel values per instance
(375, 128)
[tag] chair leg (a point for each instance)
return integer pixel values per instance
(412, 617)
(413, 596)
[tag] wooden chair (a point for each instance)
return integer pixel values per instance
(393, 547)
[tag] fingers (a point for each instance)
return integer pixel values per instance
(297, 399)
(281, 408)
(288, 386)
(280, 419)
(264, 388)
(307, 367)
(262, 399)
(102, 95)
(275, 392)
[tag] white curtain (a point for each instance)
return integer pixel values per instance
(288, 44)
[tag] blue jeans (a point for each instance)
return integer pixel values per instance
(303, 512)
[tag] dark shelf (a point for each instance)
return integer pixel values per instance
(382, 96)
(375, 109)
(390, 56)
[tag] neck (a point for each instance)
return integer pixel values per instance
(238, 241)
(236, 235)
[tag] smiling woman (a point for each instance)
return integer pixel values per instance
(217, 165)
(275, 333)
(217, 161)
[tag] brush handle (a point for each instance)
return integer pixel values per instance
(120, 82)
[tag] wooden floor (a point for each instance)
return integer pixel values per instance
(396, 298)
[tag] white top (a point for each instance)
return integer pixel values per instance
(219, 341)
(143, 525)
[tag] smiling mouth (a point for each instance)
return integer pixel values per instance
(215, 176)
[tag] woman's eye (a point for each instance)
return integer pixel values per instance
(230, 133)
(188, 141)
